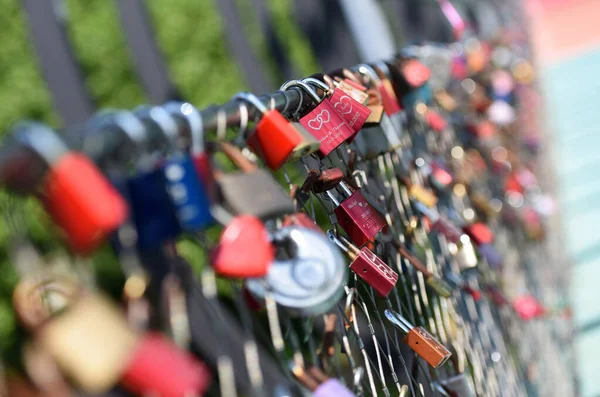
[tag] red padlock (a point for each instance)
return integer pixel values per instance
(82, 202)
(244, 249)
(301, 219)
(528, 308)
(275, 138)
(436, 121)
(415, 73)
(479, 233)
(356, 216)
(161, 368)
(367, 265)
(323, 122)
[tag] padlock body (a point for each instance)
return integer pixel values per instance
(188, 195)
(423, 195)
(159, 366)
(244, 249)
(327, 126)
(480, 233)
(448, 229)
(388, 98)
(358, 219)
(91, 343)
(301, 219)
(427, 347)
(153, 211)
(441, 287)
(255, 193)
(307, 145)
(436, 121)
(491, 255)
(82, 202)
(460, 385)
(374, 272)
(332, 388)
(440, 178)
(466, 256)
(354, 113)
(275, 139)
(327, 180)
(203, 170)
(528, 308)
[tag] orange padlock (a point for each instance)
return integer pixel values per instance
(275, 138)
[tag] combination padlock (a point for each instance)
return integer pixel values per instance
(323, 122)
(274, 139)
(357, 217)
(252, 191)
(367, 265)
(353, 112)
(308, 275)
(183, 184)
(421, 341)
(80, 200)
(244, 249)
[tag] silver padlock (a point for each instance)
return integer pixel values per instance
(310, 281)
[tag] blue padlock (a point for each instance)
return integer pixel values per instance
(423, 94)
(153, 211)
(188, 196)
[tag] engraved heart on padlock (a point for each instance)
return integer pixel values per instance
(322, 118)
(344, 105)
(244, 249)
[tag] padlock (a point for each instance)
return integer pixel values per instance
(323, 122)
(436, 121)
(491, 255)
(357, 217)
(353, 112)
(78, 341)
(307, 146)
(483, 129)
(301, 219)
(465, 254)
(308, 275)
(528, 308)
(354, 91)
(440, 178)
(445, 100)
(183, 184)
(367, 265)
(274, 139)
(77, 196)
(252, 191)
(244, 249)
(322, 180)
(421, 341)
(479, 233)
(159, 367)
(189, 122)
(421, 194)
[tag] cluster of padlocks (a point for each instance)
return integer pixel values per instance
(353, 228)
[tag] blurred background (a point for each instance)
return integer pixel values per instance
(206, 61)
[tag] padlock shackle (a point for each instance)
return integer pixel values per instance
(162, 120)
(345, 188)
(305, 87)
(333, 238)
(398, 321)
(186, 111)
(367, 70)
(252, 100)
(332, 197)
(237, 157)
(41, 139)
(318, 83)
(350, 246)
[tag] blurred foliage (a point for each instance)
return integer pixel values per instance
(190, 35)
